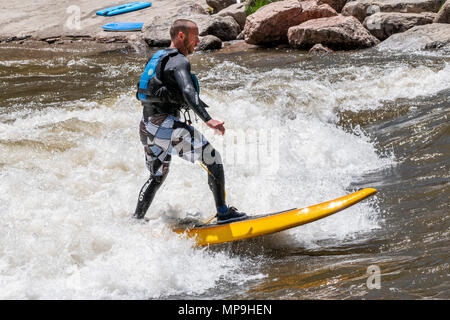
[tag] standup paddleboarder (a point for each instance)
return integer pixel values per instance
(166, 87)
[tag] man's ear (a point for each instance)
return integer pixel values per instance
(181, 35)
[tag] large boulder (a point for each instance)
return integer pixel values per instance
(363, 8)
(430, 36)
(339, 32)
(384, 24)
(209, 42)
(225, 28)
(443, 15)
(270, 23)
(335, 4)
(237, 11)
(218, 5)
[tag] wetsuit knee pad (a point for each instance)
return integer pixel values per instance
(212, 160)
(210, 155)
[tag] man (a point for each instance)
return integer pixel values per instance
(165, 87)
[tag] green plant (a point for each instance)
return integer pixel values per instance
(256, 4)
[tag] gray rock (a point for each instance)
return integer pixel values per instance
(384, 24)
(319, 49)
(192, 9)
(337, 32)
(237, 11)
(51, 40)
(363, 8)
(443, 15)
(218, 5)
(158, 43)
(225, 28)
(237, 46)
(138, 43)
(430, 36)
(209, 42)
(156, 33)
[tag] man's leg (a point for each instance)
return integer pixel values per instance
(216, 178)
(216, 182)
(191, 145)
(147, 194)
(157, 161)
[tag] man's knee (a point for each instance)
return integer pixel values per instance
(161, 177)
(210, 155)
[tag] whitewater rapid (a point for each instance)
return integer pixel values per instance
(71, 174)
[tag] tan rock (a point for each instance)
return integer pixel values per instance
(192, 9)
(237, 11)
(270, 23)
(50, 19)
(443, 15)
(238, 46)
(337, 32)
(218, 5)
(319, 49)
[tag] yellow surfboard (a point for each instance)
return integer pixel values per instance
(260, 225)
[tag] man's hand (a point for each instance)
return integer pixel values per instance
(217, 126)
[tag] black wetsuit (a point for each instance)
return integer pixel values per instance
(159, 134)
(176, 77)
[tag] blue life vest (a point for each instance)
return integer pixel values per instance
(149, 72)
(150, 87)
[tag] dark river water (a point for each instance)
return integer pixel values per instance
(71, 165)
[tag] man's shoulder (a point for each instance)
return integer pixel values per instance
(178, 61)
(180, 58)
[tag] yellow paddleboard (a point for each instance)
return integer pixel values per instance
(260, 225)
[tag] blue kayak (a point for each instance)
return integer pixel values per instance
(123, 26)
(123, 8)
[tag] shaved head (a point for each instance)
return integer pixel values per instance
(182, 25)
(184, 36)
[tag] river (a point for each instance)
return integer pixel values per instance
(71, 167)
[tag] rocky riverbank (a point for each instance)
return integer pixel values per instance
(327, 24)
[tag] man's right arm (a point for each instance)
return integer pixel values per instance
(183, 78)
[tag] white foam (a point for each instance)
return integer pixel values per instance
(369, 89)
(67, 219)
(65, 209)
